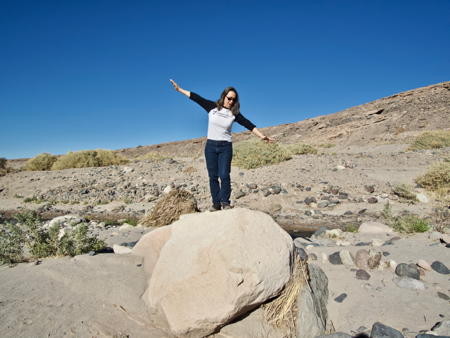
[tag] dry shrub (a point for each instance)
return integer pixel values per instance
(88, 158)
(300, 149)
(152, 156)
(282, 311)
(404, 191)
(169, 208)
(254, 154)
(42, 161)
(3, 162)
(431, 140)
(436, 178)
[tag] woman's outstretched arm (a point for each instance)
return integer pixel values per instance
(262, 136)
(179, 89)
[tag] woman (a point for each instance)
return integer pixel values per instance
(219, 150)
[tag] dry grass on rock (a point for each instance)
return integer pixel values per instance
(170, 207)
(282, 311)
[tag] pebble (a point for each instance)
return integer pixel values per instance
(335, 258)
(121, 250)
(441, 329)
(362, 274)
(239, 194)
(341, 297)
(380, 330)
(408, 283)
(309, 200)
(440, 268)
(407, 270)
(369, 188)
(443, 296)
(346, 258)
(372, 200)
(424, 264)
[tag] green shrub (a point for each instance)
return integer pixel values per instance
(255, 153)
(88, 158)
(404, 191)
(152, 156)
(436, 178)
(431, 140)
(41, 162)
(43, 242)
(300, 149)
(410, 224)
(406, 223)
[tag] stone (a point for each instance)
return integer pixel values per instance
(424, 265)
(440, 268)
(362, 274)
(408, 283)
(335, 258)
(121, 250)
(275, 189)
(125, 227)
(406, 270)
(346, 258)
(372, 200)
(341, 297)
(239, 194)
(301, 253)
(213, 267)
(61, 220)
(443, 296)
(380, 330)
(323, 204)
(369, 188)
(312, 319)
(442, 328)
(422, 198)
(374, 259)
(374, 228)
(309, 200)
(434, 235)
(361, 259)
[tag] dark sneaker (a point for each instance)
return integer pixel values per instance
(215, 207)
(226, 206)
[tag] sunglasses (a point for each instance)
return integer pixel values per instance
(231, 98)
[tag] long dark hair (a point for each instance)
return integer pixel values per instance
(235, 108)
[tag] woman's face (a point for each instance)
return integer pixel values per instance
(229, 100)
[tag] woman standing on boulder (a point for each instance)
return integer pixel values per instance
(219, 150)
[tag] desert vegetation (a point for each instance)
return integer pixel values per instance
(27, 238)
(41, 162)
(152, 156)
(405, 223)
(431, 140)
(437, 179)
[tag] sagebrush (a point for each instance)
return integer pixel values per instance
(300, 149)
(41, 162)
(88, 158)
(252, 154)
(406, 223)
(27, 238)
(153, 156)
(436, 178)
(431, 140)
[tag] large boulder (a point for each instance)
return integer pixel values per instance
(213, 267)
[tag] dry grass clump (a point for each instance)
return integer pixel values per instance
(437, 178)
(404, 191)
(282, 311)
(152, 156)
(88, 158)
(431, 140)
(169, 208)
(42, 161)
(300, 149)
(252, 154)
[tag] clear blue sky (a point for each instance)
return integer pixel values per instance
(88, 74)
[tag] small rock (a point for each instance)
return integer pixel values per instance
(441, 328)
(445, 238)
(91, 253)
(407, 270)
(121, 250)
(322, 204)
(346, 258)
(440, 268)
(335, 258)
(125, 226)
(239, 194)
(363, 243)
(308, 188)
(369, 188)
(309, 200)
(372, 200)
(362, 274)
(275, 189)
(408, 283)
(341, 297)
(422, 198)
(374, 259)
(443, 296)
(339, 167)
(362, 211)
(424, 265)
(341, 242)
(361, 258)
(252, 186)
(380, 330)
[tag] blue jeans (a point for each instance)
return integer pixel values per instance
(218, 155)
